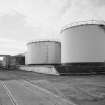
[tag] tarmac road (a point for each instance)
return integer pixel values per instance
(30, 88)
(23, 93)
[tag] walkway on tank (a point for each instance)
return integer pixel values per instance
(30, 88)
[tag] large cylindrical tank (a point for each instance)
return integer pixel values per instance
(83, 42)
(43, 52)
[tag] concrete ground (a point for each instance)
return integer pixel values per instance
(30, 88)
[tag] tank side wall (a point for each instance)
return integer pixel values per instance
(36, 53)
(42, 53)
(54, 53)
(83, 44)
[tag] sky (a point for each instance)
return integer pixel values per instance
(22, 21)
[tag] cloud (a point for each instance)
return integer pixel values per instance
(50, 15)
(10, 46)
(13, 25)
(44, 14)
(45, 17)
(25, 20)
(6, 40)
(7, 5)
(84, 10)
(97, 3)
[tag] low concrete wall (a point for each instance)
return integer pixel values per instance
(40, 69)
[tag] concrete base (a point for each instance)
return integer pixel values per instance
(68, 68)
(47, 69)
(81, 68)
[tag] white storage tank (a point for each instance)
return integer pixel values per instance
(83, 42)
(43, 52)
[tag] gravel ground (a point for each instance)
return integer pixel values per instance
(83, 90)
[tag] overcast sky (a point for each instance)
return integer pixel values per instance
(25, 20)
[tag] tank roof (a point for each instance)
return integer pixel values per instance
(79, 23)
(42, 41)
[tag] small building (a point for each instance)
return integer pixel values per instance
(17, 60)
(4, 61)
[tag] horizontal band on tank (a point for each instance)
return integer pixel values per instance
(81, 68)
(80, 23)
(84, 64)
(43, 42)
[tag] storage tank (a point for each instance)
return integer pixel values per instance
(83, 42)
(83, 47)
(43, 52)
